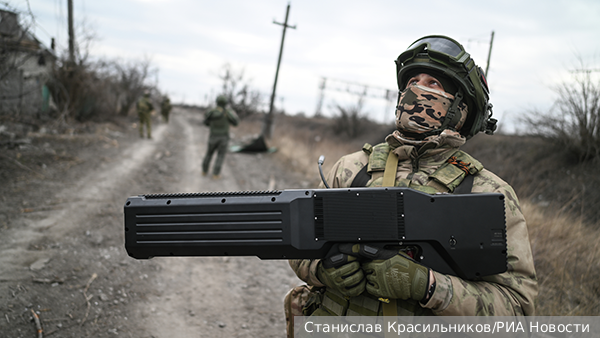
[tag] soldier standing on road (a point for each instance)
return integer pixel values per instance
(165, 108)
(443, 101)
(144, 110)
(218, 119)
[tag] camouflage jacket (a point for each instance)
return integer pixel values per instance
(165, 106)
(219, 119)
(144, 106)
(507, 294)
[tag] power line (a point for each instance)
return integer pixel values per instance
(585, 70)
(353, 88)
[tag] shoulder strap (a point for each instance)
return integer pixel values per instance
(391, 166)
(465, 186)
(390, 306)
(361, 178)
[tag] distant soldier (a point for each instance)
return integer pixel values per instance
(218, 119)
(165, 108)
(144, 109)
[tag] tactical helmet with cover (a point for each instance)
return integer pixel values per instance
(221, 100)
(442, 56)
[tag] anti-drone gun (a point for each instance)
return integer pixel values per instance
(462, 235)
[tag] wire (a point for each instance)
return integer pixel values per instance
(320, 162)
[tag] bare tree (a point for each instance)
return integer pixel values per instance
(97, 88)
(75, 82)
(573, 122)
(100, 89)
(350, 119)
(242, 97)
(132, 81)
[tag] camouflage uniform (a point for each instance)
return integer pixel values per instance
(218, 119)
(443, 101)
(508, 294)
(144, 109)
(165, 109)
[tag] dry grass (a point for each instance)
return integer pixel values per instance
(542, 173)
(300, 141)
(566, 249)
(566, 253)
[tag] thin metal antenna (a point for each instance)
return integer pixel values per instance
(489, 55)
(320, 162)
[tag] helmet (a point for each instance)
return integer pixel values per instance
(221, 100)
(445, 57)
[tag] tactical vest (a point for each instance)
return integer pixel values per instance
(144, 106)
(454, 176)
(218, 122)
(459, 167)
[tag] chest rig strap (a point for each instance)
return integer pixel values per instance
(389, 306)
(391, 166)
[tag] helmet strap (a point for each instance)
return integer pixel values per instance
(453, 116)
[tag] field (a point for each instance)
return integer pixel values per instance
(63, 265)
(560, 200)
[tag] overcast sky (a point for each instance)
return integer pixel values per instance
(536, 44)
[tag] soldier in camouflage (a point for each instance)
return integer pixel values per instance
(218, 119)
(144, 110)
(443, 101)
(165, 108)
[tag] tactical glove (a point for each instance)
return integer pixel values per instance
(341, 271)
(393, 274)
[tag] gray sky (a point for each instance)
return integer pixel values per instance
(536, 43)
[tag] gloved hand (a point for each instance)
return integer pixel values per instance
(393, 274)
(342, 272)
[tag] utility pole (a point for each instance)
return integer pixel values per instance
(489, 55)
(321, 96)
(71, 33)
(269, 118)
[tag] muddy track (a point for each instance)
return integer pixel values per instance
(64, 260)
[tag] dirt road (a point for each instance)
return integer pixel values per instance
(63, 266)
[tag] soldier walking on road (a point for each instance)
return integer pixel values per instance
(218, 119)
(144, 109)
(165, 108)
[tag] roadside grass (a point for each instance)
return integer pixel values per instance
(565, 244)
(300, 141)
(565, 252)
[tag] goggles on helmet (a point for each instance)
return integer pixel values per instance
(447, 57)
(440, 44)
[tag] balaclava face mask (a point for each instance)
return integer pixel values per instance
(422, 110)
